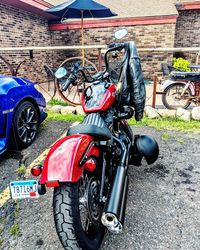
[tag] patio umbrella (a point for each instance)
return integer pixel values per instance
(81, 9)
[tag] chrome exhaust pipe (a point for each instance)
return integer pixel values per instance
(113, 216)
(110, 221)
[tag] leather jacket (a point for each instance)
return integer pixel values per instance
(131, 76)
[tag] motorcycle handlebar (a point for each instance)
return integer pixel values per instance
(112, 47)
(70, 80)
(116, 46)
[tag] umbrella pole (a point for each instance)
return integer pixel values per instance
(82, 38)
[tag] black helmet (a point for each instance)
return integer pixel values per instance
(147, 147)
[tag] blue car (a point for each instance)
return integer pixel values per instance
(21, 111)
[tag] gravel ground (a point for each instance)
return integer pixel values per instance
(163, 201)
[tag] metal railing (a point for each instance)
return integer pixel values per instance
(101, 49)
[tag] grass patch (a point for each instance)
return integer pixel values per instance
(169, 123)
(15, 230)
(66, 117)
(21, 170)
(55, 101)
(1, 242)
(165, 137)
(17, 209)
(181, 141)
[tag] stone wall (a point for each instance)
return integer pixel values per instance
(19, 28)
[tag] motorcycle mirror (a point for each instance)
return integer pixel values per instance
(60, 73)
(119, 34)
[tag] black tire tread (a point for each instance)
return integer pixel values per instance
(65, 227)
(68, 222)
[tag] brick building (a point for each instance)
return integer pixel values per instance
(150, 23)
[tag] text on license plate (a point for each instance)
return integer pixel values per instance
(24, 189)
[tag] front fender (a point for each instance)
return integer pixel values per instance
(169, 82)
(62, 163)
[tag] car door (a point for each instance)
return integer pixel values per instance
(2, 124)
(2, 120)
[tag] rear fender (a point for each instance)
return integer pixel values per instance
(63, 162)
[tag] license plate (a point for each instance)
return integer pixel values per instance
(24, 189)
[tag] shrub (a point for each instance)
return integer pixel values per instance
(181, 64)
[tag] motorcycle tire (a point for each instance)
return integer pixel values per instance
(68, 221)
(174, 104)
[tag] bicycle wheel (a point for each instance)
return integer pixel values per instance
(73, 94)
(172, 98)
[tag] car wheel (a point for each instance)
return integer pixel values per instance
(25, 124)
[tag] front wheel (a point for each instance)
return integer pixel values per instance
(77, 214)
(172, 98)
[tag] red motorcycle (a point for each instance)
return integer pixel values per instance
(88, 168)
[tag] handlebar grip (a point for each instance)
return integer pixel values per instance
(116, 46)
(112, 45)
(70, 80)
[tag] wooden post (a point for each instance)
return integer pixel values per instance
(99, 59)
(154, 91)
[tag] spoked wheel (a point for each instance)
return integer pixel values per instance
(77, 214)
(25, 124)
(73, 94)
(172, 98)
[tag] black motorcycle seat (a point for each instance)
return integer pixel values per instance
(98, 133)
(185, 76)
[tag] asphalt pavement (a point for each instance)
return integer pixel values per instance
(163, 207)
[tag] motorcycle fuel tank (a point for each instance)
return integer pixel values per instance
(98, 97)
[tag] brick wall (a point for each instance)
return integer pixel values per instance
(19, 28)
(188, 31)
(148, 36)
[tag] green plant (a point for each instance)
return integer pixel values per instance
(21, 170)
(181, 64)
(55, 101)
(1, 242)
(165, 137)
(15, 229)
(17, 209)
(180, 140)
